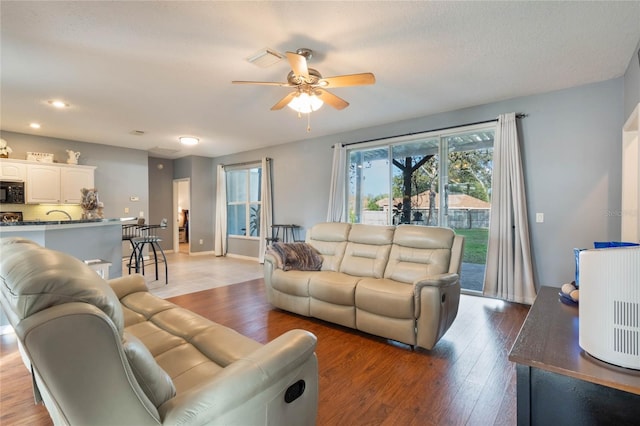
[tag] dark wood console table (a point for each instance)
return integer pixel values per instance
(558, 383)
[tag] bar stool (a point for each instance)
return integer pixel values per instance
(141, 236)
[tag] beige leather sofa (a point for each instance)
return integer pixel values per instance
(401, 283)
(113, 354)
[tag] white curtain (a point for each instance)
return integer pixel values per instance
(509, 273)
(266, 212)
(220, 233)
(336, 210)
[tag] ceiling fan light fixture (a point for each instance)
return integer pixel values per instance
(188, 140)
(305, 103)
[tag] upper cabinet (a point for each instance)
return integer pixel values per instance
(72, 180)
(49, 183)
(13, 171)
(43, 184)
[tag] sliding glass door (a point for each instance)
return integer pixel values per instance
(429, 180)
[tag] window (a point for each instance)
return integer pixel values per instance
(243, 201)
(430, 179)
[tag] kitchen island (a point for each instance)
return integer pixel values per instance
(86, 239)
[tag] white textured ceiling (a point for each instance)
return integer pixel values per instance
(165, 67)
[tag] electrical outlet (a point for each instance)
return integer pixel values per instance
(539, 217)
(201, 242)
(141, 214)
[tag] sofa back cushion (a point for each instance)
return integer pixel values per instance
(330, 239)
(33, 278)
(419, 251)
(154, 381)
(367, 251)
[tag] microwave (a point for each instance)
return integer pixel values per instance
(11, 192)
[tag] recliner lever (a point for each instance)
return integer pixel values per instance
(294, 391)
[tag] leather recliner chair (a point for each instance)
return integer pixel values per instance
(111, 353)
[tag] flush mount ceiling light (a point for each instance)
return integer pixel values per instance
(34, 125)
(188, 140)
(58, 103)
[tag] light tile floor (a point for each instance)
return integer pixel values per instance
(189, 274)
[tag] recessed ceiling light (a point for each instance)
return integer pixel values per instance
(58, 103)
(34, 125)
(188, 140)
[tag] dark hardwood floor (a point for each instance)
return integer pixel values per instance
(364, 380)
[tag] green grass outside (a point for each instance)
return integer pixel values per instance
(475, 245)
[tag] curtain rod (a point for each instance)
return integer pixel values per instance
(519, 115)
(244, 163)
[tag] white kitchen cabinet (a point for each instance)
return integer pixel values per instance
(13, 171)
(43, 184)
(57, 183)
(72, 180)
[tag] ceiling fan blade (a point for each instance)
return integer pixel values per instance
(347, 80)
(298, 64)
(331, 99)
(284, 101)
(264, 83)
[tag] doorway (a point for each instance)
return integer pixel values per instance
(182, 215)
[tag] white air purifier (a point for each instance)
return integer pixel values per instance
(610, 305)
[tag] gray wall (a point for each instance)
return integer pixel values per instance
(632, 83)
(201, 172)
(161, 198)
(120, 174)
(571, 157)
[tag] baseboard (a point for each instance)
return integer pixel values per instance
(239, 256)
(201, 253)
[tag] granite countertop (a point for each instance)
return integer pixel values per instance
(66, 222)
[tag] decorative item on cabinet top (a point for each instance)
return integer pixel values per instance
(73, 156)
(41, 157)
(5, 149)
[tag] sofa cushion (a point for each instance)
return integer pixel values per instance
(425, 237)
(371, 234)
(385, 297)
(333, 287)
(418, 252)
(154, 381)
(61, 279)
(292, 282)
(367, 251)
(330, 239)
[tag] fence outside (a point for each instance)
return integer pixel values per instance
(457, 218)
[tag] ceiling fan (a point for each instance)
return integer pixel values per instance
(310, 87)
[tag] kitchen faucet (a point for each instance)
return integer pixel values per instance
(59, 211)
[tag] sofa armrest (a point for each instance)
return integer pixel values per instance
(440, 280)
(271, 259)
(436, 282)
(128, 284)
(245, 379)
